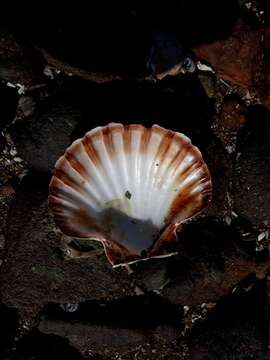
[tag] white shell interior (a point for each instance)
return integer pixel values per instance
(128, 194)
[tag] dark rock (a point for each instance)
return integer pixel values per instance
(43, 136)
(253, 12)
(169, 103)
(220, 168)
(8, 329)
(251, 181)
(168, 57)
(9, 98)
(193, 21)
(12, 166)
(236, 59)
(7, 194)
(211, 261)
(117, 327)
(18, 62)
(104, 43)
(209, 83)
(264, 84)
(235, 329)
(230, 120)
(34, 272)
(39, 346)
(265, 97)
(26, 107)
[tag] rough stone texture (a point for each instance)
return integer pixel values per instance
(8, 329)
(254, 13)
(264, 89)
(95, 47)
(235, 329)
(231, 118)
(211, 260)
(237, 59)
(219, 165)
(89, 41)
(36, 137)
(9, 98)
(39, 346)
(17, 61)
(34, 271)
(11, 165)
(169, 103)
(251, 181)
(6, 196)
(112, 328)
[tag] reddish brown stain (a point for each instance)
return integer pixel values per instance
(108, 141)
(94, 135)
(52, 200)
(127, 139)
(83, 217)
(135, 127)
(159, 130)
(164, 144)
(91, 151)
(167, 235)
(185, 203)
(116, 128)
(127, 135)
(178, 158)
(82, 225)
(192, 203)
(60, 174)
(145, 140)
(75, 164)
(192, 167)
(117, 253)
(75, 148)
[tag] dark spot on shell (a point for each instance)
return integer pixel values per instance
(128, 194)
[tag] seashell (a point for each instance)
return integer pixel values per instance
(129, 187)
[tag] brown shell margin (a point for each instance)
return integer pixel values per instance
(203, 199)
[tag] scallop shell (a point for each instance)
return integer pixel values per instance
(129, 187)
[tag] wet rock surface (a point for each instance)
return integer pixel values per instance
(59, 295)
(44, 125)
(211, 261)
(265, 74)
(19, 63)
(8, 328)
(112, 325)
(251, 169)
(44, 274)
(236, 59)
(9, 98)
(231, 120)
(243, 317)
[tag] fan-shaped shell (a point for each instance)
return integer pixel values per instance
(129, 187)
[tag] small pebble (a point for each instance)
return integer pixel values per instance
(70, 308)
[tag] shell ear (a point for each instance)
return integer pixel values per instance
(167, 237)
(117, 254)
